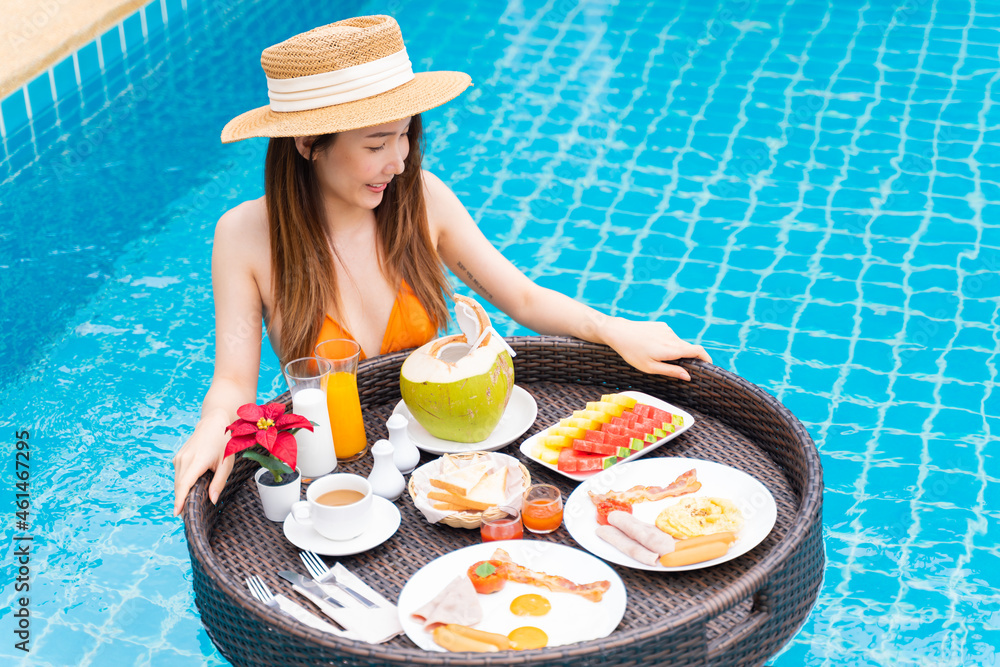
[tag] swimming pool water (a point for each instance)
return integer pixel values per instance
(807, 188)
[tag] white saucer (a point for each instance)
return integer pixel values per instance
(385, 523)
(517, 418)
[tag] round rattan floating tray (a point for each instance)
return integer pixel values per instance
(737, 613)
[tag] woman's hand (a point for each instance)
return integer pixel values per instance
(646, 345)
(203, 451)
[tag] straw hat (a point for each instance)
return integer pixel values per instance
(343, 76)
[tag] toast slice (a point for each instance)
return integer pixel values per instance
(463, 480)
(489, 492)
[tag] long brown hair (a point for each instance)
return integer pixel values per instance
(303, 277)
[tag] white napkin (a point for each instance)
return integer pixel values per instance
(374, 626)
(422, 485)
(300, 614)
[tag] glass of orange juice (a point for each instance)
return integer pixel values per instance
(343, 403)
(542, 508)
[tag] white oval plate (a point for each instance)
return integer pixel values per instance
(528, 445)
(517, 418)
(385, 523)
(754, 500)
(572, 618)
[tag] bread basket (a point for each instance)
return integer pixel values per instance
(469, 519)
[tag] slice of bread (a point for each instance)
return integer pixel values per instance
(489, 492)
(463, 480)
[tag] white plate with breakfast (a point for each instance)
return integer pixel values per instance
(517, 418)
(617, 428)
(572, 597)
(670, 514)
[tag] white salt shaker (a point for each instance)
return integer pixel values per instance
(385, 479)
(405, 455)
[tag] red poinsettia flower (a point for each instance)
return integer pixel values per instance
(268, 426)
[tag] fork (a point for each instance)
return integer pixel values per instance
(321, 573)
(259, 590)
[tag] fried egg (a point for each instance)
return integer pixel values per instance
(531, 604)
(527, 637)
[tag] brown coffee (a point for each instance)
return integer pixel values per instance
(340, 497)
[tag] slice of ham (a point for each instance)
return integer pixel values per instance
(513, 572)
(648, 535)
(626, 544)
(457, 603)
(685, 483)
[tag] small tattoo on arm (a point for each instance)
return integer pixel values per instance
(471, 280)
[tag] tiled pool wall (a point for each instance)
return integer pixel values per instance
(92, 77)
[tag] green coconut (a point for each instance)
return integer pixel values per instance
(457, 387)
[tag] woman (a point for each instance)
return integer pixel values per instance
(351, 234)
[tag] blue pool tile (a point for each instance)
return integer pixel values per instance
(67, 647)
(65, 77)
(818, 347)
(780, 311)
(908, 417)
(865, 383)
(759, 367)
(132, 26)
(40, 94)
(111, 47)
(15, 112)
(893, 481)
(967, 365)
(830, 319)
(807, 406)
(154, 19)
(856, 415)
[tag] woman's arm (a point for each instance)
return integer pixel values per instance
(467, 252)
(238, 310)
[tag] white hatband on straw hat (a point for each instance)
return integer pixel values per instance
(343, 76)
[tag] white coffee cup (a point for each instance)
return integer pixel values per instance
(336, 522)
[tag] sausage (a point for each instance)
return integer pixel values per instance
(726, 537)
(447, 638)
(500, 641)
(695, 554)
(625, 544)
(649, 536)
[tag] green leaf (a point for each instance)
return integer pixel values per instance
(275, 465)
(485, 569)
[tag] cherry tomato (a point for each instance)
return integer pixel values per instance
(487, 576)
(606, 507)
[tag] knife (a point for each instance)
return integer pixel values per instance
(309, 585)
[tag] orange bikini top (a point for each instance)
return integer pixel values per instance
(409, 325)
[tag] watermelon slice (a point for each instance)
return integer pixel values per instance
(593, 462)
(601, 448)
(618, 440)
(594, 436)
(567, 461)
(659, 415)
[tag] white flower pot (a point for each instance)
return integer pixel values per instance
(278, 500)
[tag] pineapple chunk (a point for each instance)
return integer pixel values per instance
(612, 409)
(599, 417)
(546, 454)
(618, 399)
(568, 431)
(579, 422)
(555, 441)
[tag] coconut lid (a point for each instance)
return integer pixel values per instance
(475, 324)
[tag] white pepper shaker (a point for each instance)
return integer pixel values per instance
(405, 455)
(385, 479)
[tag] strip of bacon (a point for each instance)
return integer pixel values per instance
(684, 484)
(522, 575)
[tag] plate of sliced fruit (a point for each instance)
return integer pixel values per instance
(617, 427)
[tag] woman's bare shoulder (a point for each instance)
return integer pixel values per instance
(246, 221)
